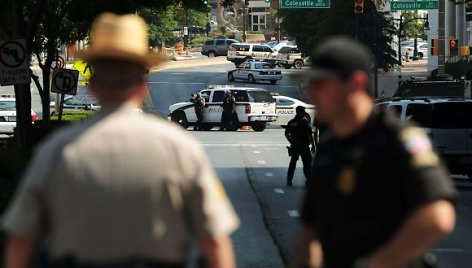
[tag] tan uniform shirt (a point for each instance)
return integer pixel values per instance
(123, 185)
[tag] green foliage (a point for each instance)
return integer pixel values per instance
(414, 28)
(310, 26)
(161, 23)
(198, 41)
(75, 116)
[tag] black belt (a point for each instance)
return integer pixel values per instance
(69, 262)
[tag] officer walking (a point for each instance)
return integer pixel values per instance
(124, 189)
(229, 103)
(379, 195)
(199, 104)
(300, 136)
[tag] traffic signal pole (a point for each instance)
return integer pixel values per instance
(441, 38)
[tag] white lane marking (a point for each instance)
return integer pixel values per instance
(174, 83)
(261, 162)
(293, 213)
(257, 152)
(268, 174)
(457, 250)
(279, 191)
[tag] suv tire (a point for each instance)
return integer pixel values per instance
(251, 79)
(287, 66)
(180, 119)
(298, 64)
(211, 54)
(259, 127)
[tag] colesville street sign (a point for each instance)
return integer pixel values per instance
(305, 3)
(416, 5)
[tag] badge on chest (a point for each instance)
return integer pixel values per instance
(347, 181)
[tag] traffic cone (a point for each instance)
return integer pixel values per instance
(245, 127)
(187, 52)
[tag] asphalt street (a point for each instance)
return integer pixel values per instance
(253, 169)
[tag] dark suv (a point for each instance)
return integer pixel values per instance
(432, 87)
(217, 47)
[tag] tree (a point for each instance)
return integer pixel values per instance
(415, 27)
(310, 26)
(161, 23)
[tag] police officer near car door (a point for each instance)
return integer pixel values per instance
(229, 104)
(107, 194)
(300, 135)
(199, 105)
(379, 195)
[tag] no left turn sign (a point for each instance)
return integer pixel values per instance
(64, 81)
(14, 63)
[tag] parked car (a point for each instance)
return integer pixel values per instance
(285, 108)
(8, 115)
(290, 56)
(217, 47)
(432, 87)
(74, 103)
(241, 52)
(446, 121)
(423, 50)
(254, 71)
(255, 107)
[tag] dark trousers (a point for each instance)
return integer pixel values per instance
(226, 119)
(305, 154)
(198, 125)
(69, 262)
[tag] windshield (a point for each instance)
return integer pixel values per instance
(441, 115)
(7, 106)
(260, 96)
(448, 89)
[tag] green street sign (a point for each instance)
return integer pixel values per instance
(305, 3)
(417, 5)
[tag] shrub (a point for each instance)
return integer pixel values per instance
(74, 116)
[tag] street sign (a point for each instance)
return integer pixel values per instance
(64, 81)
(305, 3)
(416, 5)
(14, 63)
(84, 68)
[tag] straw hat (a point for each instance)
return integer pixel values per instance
(121, 37)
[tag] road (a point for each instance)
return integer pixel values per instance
(253, 168)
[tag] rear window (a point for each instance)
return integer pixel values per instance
(258, 48)
(441, 115)
(285, 50)
(447, 89)
(260, 96)
(209, 42)
(262, 66)
(220, 42)
(237, 47)
(7, 106)
(240, 95)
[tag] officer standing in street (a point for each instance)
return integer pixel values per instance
(124, 189)
(379, 195)
(300, 136)
(229, 103)
(199, 104)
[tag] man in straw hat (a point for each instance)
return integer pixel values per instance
(123, 189)
(379, 196)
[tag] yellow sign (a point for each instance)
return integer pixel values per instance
(84, 68)
(464, 51)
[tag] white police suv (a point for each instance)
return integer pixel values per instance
(286, 106)
(254, 71)
(255, 107)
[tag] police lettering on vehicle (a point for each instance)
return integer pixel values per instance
(285, 111)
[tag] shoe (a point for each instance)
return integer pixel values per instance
(289, 183)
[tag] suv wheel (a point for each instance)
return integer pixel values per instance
(230, 77)
(259, 127)
(298, 64)
(180, 119)
(251, 79)
(211, 54)
(287, 66)
(420, 55)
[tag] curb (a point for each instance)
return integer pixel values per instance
(195, 62)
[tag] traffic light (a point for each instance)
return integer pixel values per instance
(468, 11)
(358, 6)
(205, 2)
(267, 1)
(246, 3)
(453, 47)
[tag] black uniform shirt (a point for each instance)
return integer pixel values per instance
(299, 131)
(366, 185)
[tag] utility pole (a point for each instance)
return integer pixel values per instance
(441, 38)
(244, 23)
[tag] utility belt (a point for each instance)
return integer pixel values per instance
(69, 262)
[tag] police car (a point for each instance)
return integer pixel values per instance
(75, 103)
(446, 121)
(285, 108)
(255, 107)
(8, 114)
(241, 52)
(254, 71)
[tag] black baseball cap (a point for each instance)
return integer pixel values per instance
(336, 56)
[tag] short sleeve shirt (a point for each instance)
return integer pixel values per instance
(123, 185)
(364, 186)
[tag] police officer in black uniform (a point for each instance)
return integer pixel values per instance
(228, 110)
(299, 134)
(379, 194)
(199, 105)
